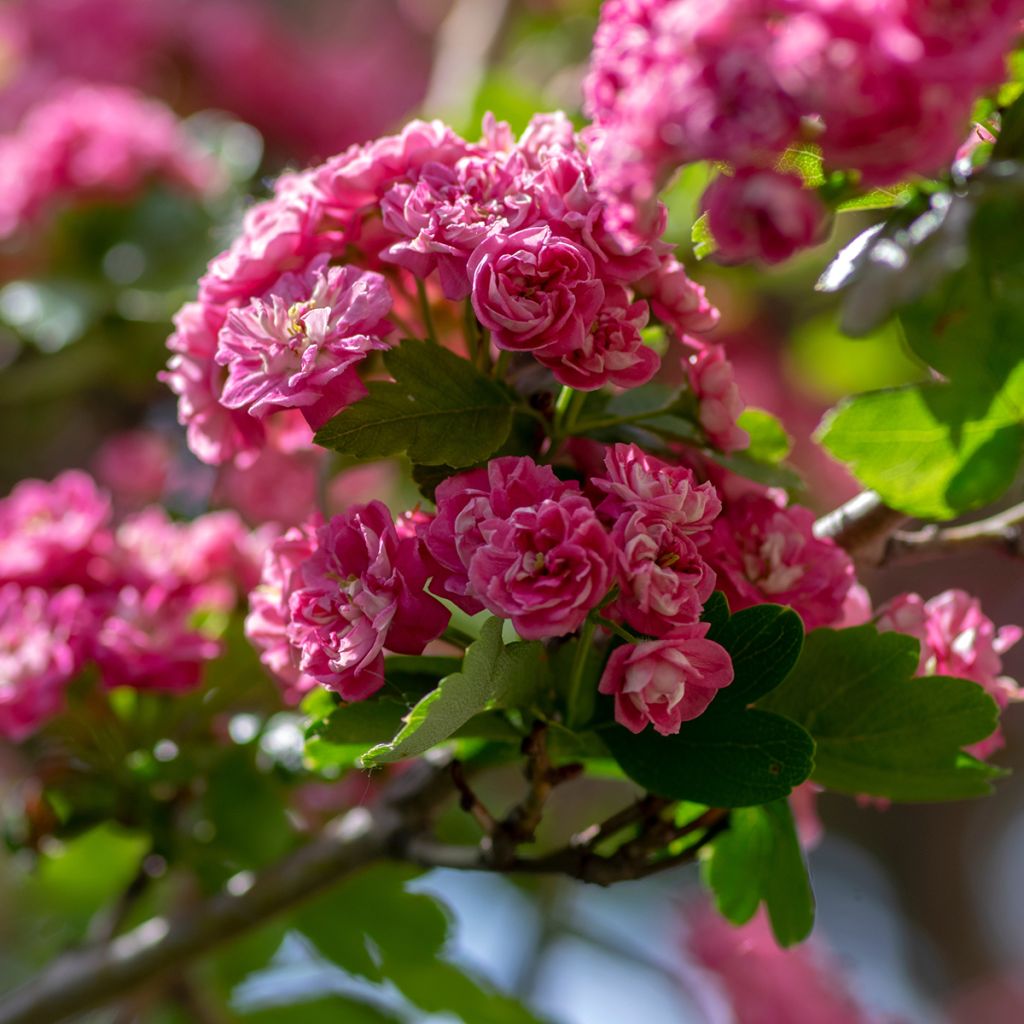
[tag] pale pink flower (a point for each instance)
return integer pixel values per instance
(764, 215)
(612, 351)
(763, 551)
(468, 501)
(299, 344)
(635, 480)
(766, 984)
(535, 291)
(668, 681)
(720, 404)
(544, 567)
(957, 639)
(40, 652)
(266, 625)
(54, 533)
(663, 580)
(362, 590)
(136, 466)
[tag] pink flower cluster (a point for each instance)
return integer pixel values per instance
(957, 639)
(516, 227)
(93, 142)
(78, 588)
(333, 597)
(885, 89)
(764, 550)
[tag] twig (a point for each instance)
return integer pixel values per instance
(470, 802)
(861, 526)
(1003, 532)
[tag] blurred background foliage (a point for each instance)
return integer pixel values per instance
(923, 905)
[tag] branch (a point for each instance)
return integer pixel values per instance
(1003, 532)
(861, 526)
(94, 975)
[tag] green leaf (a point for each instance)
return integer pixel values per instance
(769, 441)
(493, 674)
(879, 198)
(439, 409)
(367, 722)
(704, 243)
(732, 755)
(930, 450)
(373, 905)
(878, 728)
(757, 860)
(804, 159)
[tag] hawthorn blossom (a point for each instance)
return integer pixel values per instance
(676, 300)
(535, 291)
(612, 351)
(636, 480)
(266, 625)
(40, 652)
(468, 504)
(544, 567)
(957, 639)
(718, 396)
(54, 533)
(299, 344)
(765, 551)
(663, 580)
(667, 681)
(362, 589)
(764, 215)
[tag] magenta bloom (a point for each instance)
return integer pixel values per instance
(715, 387)
(663, 580)
(613, 350)
(668, 681)
(762, 551)
(448, 211)
(52, 534)
(536, 291)
(362, 589)
(636, 480)
(469, 503)
(298, 345)
(40, 652)
(957, 639)
(146, 640)
(544, 567)
(678, 302)
(136, 466)
(762, 215)
(266, 625)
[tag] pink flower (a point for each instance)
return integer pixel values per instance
(215, 433)
(636, 480)
(663, 580)
(714, 385)
(613, 351)
(957, 639)
(279, 486)
(769, 985)
(468, 501)
(40, 652)
(362, 589)
(146, 641)
(298, 345)
(535, 291)
(755, 214)
(668, 681)
(136, 466)
(544, 567)
(53, 534)
(762, 551)
(448, 211)
(678, 302)
(266, 625)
